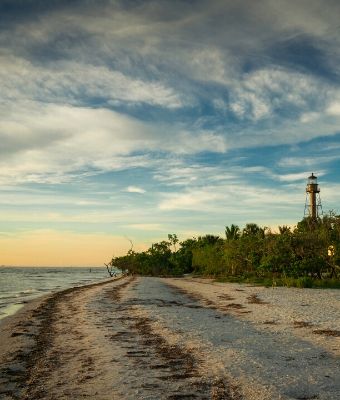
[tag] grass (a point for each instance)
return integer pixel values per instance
(301, 282)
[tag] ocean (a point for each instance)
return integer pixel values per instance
(18, 285)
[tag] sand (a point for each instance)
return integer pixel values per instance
(163, 338)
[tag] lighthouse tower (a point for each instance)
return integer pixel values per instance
(313, 208)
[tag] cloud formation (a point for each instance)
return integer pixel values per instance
(210, 109)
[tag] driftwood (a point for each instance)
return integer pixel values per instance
(110, 267)
(110, 270)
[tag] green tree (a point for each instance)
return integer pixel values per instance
(172, 237)
(252, 229)
(209, 239)
(284, 229)
(233, 232)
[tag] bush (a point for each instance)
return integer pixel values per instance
(297, 258)
(304, 282)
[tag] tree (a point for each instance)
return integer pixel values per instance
(233, 232)
(284, 229)
(253, 230)
(181, 260)
(307, 252)
(208, 240)
(172, 237)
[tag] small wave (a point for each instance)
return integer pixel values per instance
(10, 310)
(28, 291)
(8, 297)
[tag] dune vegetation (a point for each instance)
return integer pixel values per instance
(306, 256)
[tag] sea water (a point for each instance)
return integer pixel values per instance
(18, 285)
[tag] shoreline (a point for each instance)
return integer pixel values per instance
(134, 337)
(21, 285)
(25, 333)
(27, 303)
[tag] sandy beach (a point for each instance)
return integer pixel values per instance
(165, 338)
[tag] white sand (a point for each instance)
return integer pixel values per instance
(273, 348)
(151, 338)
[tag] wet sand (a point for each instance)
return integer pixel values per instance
(152, 338)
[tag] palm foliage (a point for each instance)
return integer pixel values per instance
(310, 251)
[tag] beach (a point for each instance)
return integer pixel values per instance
(167, 338)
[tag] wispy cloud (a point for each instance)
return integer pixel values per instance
(135, 189)
(265, 92)
(49, 143)
(78, 84)
(229, 198)
(334, 108)
(153, 116)
(312, 161)
(146, 227)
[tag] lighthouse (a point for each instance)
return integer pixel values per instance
(313, 208)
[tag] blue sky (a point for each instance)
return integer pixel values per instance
(134, 119)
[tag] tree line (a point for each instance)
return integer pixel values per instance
(300, 256)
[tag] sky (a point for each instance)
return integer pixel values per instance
(127, 120)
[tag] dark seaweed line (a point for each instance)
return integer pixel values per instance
(28, 379)
(175, 363)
